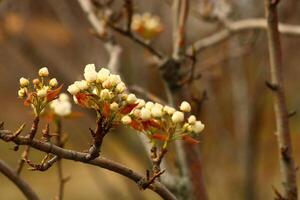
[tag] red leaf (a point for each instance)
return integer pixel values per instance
(154, 124)
(136, 125)
(189, 139)
(128, 108)
(29, 98)
(159, 136)
(106, 110)
(83, 99)
(53, 94)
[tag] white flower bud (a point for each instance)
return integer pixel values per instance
(169, 110)
(131, 98)
(82, 85)
(42, 92)
(120, 87)
(149, 105)
(75, 99)
(114, 106)
(105, 94)
(185, 107)
(141, 103)
(73, 89)
(192, 119)
(43, 72)
(90, 68)
(63, 97)
(24, 82)
(53, 82)
(198, 127)
(156, 111)
(90, 76)
(114, 79)
(136, 112)
(126, 119)
(145, 114)
(22, 92)
(177, 117)
(102, 75)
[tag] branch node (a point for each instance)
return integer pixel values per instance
(272, 86)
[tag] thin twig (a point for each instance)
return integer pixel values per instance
(146, 94)
(31, 135)
(232, 28)
(18, 181)
(102, 162)
(287, 164)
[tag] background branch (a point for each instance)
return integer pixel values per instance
(18, 181)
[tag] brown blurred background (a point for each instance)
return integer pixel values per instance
(238, 114)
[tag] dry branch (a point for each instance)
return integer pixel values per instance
(18, 181)
(102, 162)
(287, 164)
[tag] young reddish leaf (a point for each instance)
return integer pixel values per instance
(106, 110)
(146, 125)
(82, 99)
(154, 124)
(53, 94)
(128, 108)
(136, 125)
(159, 136)
(189, 139)
(29, 98)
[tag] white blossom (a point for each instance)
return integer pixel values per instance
(53, 82)
(126, 119)
(149, 105)
(42, 92)
(105, 94)
(22, 92)
(131, 98)
(90, 76)
(192, 119)
(120, 87)
(185, 107)
(102, 75)
(177, 117)
(114, 106)
(156, 111)
(43, 72)
(145, 114)
(90, 68)
(24, 82)
(73, 89)
(198, 127)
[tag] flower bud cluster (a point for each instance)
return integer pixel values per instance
(106, 93)
(40, 92)
(146, 25)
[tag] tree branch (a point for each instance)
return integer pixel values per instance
(18, 181)
(232, 28)
(102, 162)
(287, 164)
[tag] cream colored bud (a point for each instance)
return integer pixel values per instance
(114, 79)
(198, 127)
(120, 87)
(43, 72)
(42, 92)
(156, 111)
(73, 89)
(131, 99)
(126, 119)
(192, 119)
(90, 68)
(90, 76)
(105, 94)
(185, 107)
(22, 92)
(177, 117)
(136, 112)
(36, 81)
(169, 110)
(62, 108)
(82, 85)
(24, 82)
(53, 82)
(149, 105)
(145, 114)
(141, 103)
(114, 106)
(107, 84)
(103, 75)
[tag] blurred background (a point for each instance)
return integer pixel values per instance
(238, 146)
